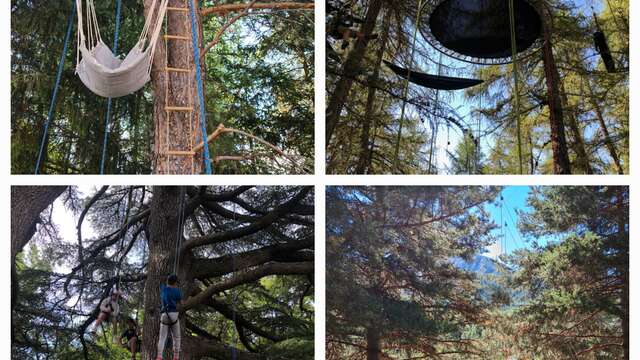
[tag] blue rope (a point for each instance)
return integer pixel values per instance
(54, 96)
(196, 60)
(109, 101)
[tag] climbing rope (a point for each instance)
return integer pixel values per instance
(516, 87)
(56, 87)
(196, 60)
(406, 86)
(234, 297)
(109, 101)
(179, 236)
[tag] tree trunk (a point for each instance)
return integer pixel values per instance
(27, 203)
(561, 163)
(373, 344)
(176, 130)
(163, 230)
(369, 116)
(605, 131)
(582, 159)
(350, 70)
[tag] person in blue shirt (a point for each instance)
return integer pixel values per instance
(170, 296)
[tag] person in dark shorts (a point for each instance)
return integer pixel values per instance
(131, 338)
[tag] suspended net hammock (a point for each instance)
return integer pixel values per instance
(102, 71)
(478, 31)
(433, 81)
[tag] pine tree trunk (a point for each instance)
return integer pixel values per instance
(605, 131)
(561, 163)
(582, 159)
(163, 230)
(373, 344)
(350, 70)
(175, 130)
(369, 116)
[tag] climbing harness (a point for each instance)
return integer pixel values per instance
(100, 69)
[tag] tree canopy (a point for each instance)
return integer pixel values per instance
(244, 262)
(407, 274)
(573, 111)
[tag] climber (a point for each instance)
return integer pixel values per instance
(109, 309)
(170, 296)
(132, 338)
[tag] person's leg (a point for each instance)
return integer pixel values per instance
(133, 347)
(102, 317)
(164, 330)
(175, 333)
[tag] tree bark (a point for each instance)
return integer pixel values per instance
(162, 242)
(176, 130)
(27, 203)
(350, 69)
(373, 344)
(369, 116)
(582, 159)
(561, 163)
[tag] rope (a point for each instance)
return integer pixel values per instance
(196, 57)
(54, 96)
(234, 298)
(109, 101)
(514, 57)
(176, 260)
(406, 85)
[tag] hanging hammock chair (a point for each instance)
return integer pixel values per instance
(103, 72)
(433, 81)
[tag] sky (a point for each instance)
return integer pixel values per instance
(505, 212)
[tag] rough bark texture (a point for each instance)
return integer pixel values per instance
(163, 230)
(350, 69)
(175, 130)
(561, 163)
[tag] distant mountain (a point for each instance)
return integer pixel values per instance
(480, 264)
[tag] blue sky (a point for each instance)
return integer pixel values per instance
(504, 212)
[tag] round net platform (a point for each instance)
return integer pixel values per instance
(478, 31)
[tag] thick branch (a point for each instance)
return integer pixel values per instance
(222, 9)
(248, 277)
(253, 228)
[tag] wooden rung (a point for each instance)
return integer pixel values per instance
(175, 37)
(180, 153)
(178, 108)
(170, 69)
(177, 9)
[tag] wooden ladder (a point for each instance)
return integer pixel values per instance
(175, 113)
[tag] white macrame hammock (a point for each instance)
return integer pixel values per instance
(102, 71)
